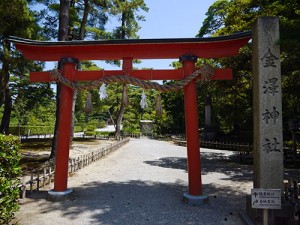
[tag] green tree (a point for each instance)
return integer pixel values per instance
(214, 18)
(77, 20)
(16, 20)
(233, 103)
(174, 109)
(126, 13)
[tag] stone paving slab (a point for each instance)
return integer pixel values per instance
(142, 183)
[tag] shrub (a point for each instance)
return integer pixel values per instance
(102, 133)
(31, 130)
(91, 127)
(90, 133)
(102, 124)
(78, 128)
(9, 172)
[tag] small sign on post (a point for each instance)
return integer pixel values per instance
(266, 198)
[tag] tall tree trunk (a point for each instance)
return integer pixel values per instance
(63, 20)
(4, 128)
(81, 37)
(84, 19)
(123, 103)
(2, 86)
(5, 92)
(62, 36)
(4, 71)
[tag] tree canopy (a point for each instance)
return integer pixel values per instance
(231, 100)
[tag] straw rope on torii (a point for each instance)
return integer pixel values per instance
(205, 71)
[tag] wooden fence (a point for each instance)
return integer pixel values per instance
(243, 150)
(45, 175)
(291, 195)
(292, 190)
(97, 136)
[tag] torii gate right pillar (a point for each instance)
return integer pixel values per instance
(194, 196)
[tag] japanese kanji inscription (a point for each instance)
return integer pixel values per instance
(267, 106)
(271, 115)
(269, 59)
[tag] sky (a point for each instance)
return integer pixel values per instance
(169, 19)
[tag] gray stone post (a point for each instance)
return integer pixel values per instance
(208, 111)
(267, 105)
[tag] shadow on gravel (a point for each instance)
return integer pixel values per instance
(139, 202)
(170, 162)
(210, 162)
(220, 163)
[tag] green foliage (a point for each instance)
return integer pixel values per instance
(101, 124)
(126, 12)
(9, 172)
(232, 100)
(103, 133)
(31, 130)
(33, 104)
(89, 133)
(16, 19)
(90, 127)
(214, 18)
(106, 133)
(173, 121)
(86, 19)
(78, 128)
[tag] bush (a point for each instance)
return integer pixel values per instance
(31, 130)
(89, 133)
(9, 172)
(78, 128)
(91, 127)
(105, 133)
(102, 124)
(102, 133)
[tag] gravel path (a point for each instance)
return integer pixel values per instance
(142, 183)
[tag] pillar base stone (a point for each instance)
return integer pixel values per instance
(194, 200)
(59, 196)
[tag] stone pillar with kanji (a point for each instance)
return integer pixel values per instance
(267, 105)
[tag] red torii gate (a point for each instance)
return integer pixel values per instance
(69, 53)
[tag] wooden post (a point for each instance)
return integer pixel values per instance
(50, 176)
(44, 176)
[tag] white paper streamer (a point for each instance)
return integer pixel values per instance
(102, 92)
(144, 103)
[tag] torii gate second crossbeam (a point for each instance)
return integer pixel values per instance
(68, 53)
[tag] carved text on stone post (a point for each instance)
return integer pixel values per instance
(269, 59)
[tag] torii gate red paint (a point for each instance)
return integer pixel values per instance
(188, 49)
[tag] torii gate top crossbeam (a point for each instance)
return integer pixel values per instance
(213, 47)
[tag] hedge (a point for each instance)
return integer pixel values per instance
(40, 130)
(10, 170)
(30, 130)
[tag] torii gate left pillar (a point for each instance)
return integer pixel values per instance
(61, 192)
